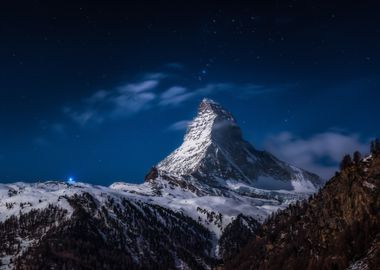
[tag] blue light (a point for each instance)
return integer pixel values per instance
(70, 180)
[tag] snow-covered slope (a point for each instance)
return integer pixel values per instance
(213, 212)
(55, 225)
(40, 210)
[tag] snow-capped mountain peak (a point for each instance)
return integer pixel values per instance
(214, 151)
(200, 136)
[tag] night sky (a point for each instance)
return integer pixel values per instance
(102, 90)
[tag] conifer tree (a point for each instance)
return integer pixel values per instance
(357, 157)
(346, 162)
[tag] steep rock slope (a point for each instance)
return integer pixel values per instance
(214, 153)
(337, 228)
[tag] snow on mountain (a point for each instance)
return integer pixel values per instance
(56, 223)
(214, 150)
(215, 175)
(214, 212)
(20, 198)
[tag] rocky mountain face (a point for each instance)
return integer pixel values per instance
(338, 228)
(214, 152)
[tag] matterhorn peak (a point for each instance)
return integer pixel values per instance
(211, 121)
(210, 106)
(208, 101)
(203, 132)
(214, 151)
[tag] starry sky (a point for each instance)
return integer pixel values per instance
(102, 90)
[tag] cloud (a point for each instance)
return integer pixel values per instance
(97, 96)
(125, 100)
(173, 92)
(320, 153)
(85, 116)
(215, 87)
(150, 90)
(222, 124)
(175, 95)
(130, 104)
(138, 87)
(180, 125)
(178, 94)
(155, 76)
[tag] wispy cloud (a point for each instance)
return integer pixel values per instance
(138, 87)
(125, 100)
(83, 117)
(156, 76)
(175, 95)
(150, 90)
(179, 126)
(320, 153)
(130, 104)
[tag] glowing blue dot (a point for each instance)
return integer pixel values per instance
(70, 180)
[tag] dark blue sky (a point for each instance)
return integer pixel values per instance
(101, 91)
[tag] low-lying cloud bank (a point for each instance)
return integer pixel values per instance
(320, 153)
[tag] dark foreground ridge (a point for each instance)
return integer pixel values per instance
(335, 229)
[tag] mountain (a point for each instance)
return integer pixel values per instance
(214, 155)
(215, 175)
(201, 204)
(338, 228)
(55, 225)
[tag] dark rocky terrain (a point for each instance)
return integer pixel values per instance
(237, 235)
(337, 228)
